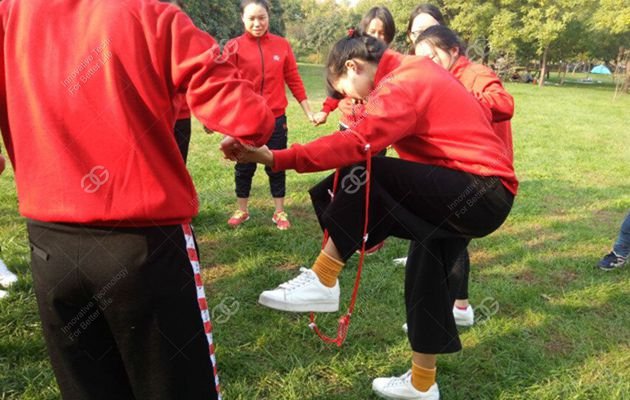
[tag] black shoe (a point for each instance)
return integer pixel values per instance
(611, 261)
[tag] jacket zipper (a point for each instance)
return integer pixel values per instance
(262, 61)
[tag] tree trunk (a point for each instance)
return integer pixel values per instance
(543, 68)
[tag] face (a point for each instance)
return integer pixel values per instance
(255, 19)
(444, 58)
(376, 29)
(420, 24)
(358, 81)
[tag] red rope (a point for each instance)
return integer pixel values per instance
(344, 321)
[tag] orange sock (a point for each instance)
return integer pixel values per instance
(421, 378)
(327, 269)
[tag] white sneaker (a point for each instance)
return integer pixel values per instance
(302, 294)
(400, 387)
(400, 261)
(3, 294)
(464, 317)
(7, 278)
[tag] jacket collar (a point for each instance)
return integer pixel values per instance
(460, 65)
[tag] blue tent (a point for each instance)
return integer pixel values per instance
(600, 69)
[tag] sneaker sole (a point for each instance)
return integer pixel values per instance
(464, 323)
(387, 396)
(311, 307)
(8, 281)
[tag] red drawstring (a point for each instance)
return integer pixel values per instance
(344, 321)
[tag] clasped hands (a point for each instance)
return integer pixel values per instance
(236, 151)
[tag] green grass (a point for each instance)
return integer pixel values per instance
(562, 330)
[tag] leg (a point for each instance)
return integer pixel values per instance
(243, 175)
(277, 180)
(182, 135)
(622, 245)
(82, 349)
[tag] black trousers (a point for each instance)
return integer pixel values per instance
(244, 173)
(462, 268)
(438, 209)
(119, 312)
(182, 132)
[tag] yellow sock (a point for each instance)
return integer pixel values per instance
(327, 269)
(421, 378)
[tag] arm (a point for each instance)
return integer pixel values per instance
(215, 91)
(390, 116)
(489, 90)
(294, 81)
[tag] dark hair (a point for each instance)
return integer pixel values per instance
(264, 3)
(355, 45)
(426, 9)
(382, 14)
(442, 38)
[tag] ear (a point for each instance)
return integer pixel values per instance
(454, 52)
(352, 65)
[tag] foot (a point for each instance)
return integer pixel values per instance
(7, 278)
(464, 317)
(400, 261)
(611, 261)
(238, 218)
(400, 387)
(302, 294)
(281, 219)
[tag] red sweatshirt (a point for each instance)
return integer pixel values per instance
(350, 112)
(486, 86)
(268, 62)
(426, 114)
(87, 108)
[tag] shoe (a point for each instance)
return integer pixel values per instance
(3, 294)
(238, 218)
(7, 278)
(302, 294)
(400, 261)
(611, 261)
(373, 249)
(400, 387)
(281, 219)
(464, 317)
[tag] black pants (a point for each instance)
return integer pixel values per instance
(119, 312)
(182, 132)
(244, 173)
(462, 268)
(438, 209)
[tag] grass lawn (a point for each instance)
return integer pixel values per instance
(551, 326)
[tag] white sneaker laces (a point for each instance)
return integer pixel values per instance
(399, 380)
(304, 278)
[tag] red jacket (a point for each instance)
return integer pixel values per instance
(350, 112)
(268, 62)
(484, 84)
(87, 108)
(426, 114)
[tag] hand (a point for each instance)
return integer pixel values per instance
(261, 155)
(311, 117)
(231, 148)
(320, 118)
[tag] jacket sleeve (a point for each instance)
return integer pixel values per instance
(389, 116)
(215, 91)
(489, 90)
(292, 76)
(330, 105)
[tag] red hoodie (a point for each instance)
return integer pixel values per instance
(486, 86)
(87, 108)
(268, 62)
(426, 114)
